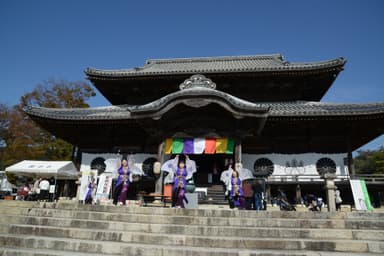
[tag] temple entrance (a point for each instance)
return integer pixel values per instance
(211, 155)
(209, 167)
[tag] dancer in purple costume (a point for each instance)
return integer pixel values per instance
(236, 194)
(122, 184)
(179, 185)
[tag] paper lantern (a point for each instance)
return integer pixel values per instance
(156, 168)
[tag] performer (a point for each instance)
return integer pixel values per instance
(179, 186)
(179, 171)
(227, 177)
(236, 194)
(122, 183)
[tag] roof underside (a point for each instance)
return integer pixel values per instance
(295, 127)
(254, 78)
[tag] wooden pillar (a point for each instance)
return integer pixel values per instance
(298, 194)
(268, 193)
(351, 167)
(238, 152)
(76, 156)
(160, 158)
(76, 159)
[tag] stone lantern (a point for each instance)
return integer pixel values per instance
(326, 167)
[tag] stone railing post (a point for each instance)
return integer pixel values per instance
(78, 183)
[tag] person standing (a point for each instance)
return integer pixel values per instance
(236, 195)
(338, 199)
(179, 185)
(122, 183)
(36, 189)
(52, 189)
(258, 191)
(44, 188)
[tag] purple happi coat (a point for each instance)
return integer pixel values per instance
(180, 176)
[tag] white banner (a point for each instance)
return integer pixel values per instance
(360, 195)
(104, 186)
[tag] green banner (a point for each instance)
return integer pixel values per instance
(366, 195)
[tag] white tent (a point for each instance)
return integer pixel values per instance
(4, 183)
(61, 170)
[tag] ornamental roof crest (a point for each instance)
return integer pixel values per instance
(199, 81)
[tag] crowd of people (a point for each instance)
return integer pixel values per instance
(257, 200)
(42, 189)
(180, 169)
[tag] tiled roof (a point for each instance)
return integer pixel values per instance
(200, 96)
(276, 109)
(99, 113)
(309, 108)
(230, 64)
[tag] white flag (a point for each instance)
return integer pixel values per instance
(199, 145)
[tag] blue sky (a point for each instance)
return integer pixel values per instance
(41, 40)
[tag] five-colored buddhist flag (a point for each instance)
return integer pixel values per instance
(177, 146)
(230, 146)
(188, 146)
(168, 146)
(199, 145)
(210, 146)
(221, 145)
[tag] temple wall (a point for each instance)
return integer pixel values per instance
(87, 158)
(284, 165)
(303, 164)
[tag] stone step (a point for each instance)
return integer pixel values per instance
(8, 251)
(213, 202)
(164, 240)
(190, 220)
(67, 228)
(72, 246)
(70, 228)
(176, 251)
(86, 219)
(174, 218)
(195, 212)
(203, 212)
(216, 192)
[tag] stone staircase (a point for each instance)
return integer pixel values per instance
(66, 228)
(215, 195)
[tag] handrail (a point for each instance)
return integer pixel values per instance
(369, 177)
(316, 177)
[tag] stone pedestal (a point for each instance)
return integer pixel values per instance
(192, 201)
(159, 184)
(330, 189)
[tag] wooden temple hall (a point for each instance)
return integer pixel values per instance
(265, 109)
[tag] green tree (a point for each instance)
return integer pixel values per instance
(24, 139)
(59, 94)
(370, 161)
(4, 110)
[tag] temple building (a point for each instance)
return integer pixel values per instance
(262, 111)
